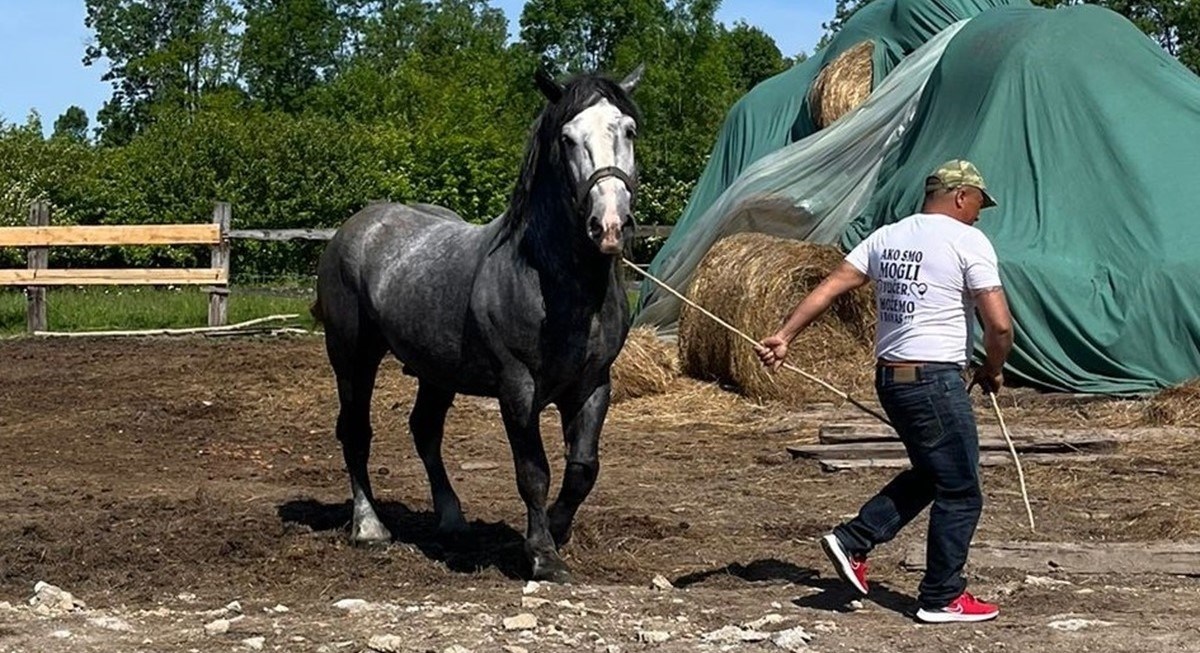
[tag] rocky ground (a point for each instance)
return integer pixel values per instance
(188, 495)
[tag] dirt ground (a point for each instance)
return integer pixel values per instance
(160, 480)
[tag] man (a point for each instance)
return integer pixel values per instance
(931, 270)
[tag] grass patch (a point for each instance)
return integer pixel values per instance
(146, 307)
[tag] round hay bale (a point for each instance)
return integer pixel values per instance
(1177, 406)
(646, 366)
(842, 85)
(753, 281)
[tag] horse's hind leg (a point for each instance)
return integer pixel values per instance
(355, 351)
(427, 421)
(354, 432)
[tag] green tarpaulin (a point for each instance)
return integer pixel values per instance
(1088, 134)
(776, 112)
(1089, 137)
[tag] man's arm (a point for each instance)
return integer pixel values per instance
(845, 278)
(997, 335)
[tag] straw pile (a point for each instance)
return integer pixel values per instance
(842, 85)
(753, 281)
(646, 366)
(1177, 406)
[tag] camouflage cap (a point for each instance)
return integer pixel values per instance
(955, 173)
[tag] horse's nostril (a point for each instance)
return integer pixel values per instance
(594, 227)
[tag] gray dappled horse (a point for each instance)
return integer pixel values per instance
(528, 308)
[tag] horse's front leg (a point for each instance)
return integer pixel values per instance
(533, 480)
(583, 418)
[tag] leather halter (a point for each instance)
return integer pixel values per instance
(581, 198)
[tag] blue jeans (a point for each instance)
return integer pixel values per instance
(933, 417)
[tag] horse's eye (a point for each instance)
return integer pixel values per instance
(567, 143)
(630, 133)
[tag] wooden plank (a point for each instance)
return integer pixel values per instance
(218, 299)
(986, 459)
(847, 433)
(281, 234)
(121, 277)
(71, 235)
(893, 448)
(1176, 558)
(37, 259)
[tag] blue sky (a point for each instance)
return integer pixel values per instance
(42, 44)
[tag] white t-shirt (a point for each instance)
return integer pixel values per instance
(925, 268)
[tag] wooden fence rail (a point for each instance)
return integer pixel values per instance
(40, 235)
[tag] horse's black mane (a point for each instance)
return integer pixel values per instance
(544, 153)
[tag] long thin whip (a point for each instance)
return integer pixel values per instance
(876, 414)
(1012, 448)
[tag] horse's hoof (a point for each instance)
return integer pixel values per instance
(561, 536)
(370, 535)
(550, 570)
(453, 526)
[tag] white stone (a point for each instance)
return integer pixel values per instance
(1073, 625)
(661, 582)
(233, 606)
(533, 602)
(455, 648)
(651, 637)
(765, 621)
(793, 639)
(111, 623)
(1042, 581)
(729, 634)
(218, 627)
(514, 649)
(386, 643)
(523, 621)
(351, 604)
(531, 587)
(254, 643)
(61, 634)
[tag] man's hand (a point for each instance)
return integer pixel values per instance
(772, 350)
(988, 379)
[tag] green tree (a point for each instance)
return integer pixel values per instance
(160, 53)
(73, 124)
(753, 55)
(289, 47)
(575, 35)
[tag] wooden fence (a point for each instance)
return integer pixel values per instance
(40, 235)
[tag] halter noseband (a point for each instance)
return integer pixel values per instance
(581, 198)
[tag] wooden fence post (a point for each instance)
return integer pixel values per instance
(218, 296)
(39, 259)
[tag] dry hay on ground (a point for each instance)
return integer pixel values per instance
(646, 366)
(842, 85)
(753, 281)
(1177, 406)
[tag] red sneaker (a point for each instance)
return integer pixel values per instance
(852, 569)
(964, 608)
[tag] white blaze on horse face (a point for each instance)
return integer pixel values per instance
(601, 137)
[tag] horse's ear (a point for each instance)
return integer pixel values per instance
(548, 86)
(631, 82)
